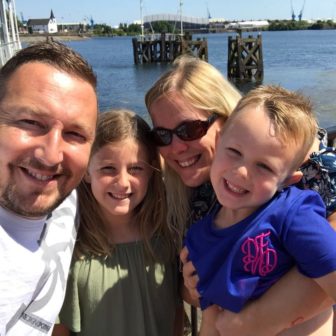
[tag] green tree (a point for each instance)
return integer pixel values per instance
(134, 29)
(163, 27)
(102, 29)
(288, 25)
(123, 27)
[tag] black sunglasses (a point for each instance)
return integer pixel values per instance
(187, 131)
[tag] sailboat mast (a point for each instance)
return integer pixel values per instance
(181, 17)
(141, 18)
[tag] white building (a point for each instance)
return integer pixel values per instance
(248, 24)
(43, 25)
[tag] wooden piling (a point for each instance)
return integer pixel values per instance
(135, 50)
(165, 48)
(163, 51)
(245, 58)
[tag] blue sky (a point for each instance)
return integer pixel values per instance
(113, 12)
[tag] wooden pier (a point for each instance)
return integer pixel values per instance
(166, 47)
(245, 58)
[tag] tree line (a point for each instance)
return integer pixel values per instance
(171, 27)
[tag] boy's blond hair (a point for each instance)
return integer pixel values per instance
(291, 115)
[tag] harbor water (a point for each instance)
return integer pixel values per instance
(298, 60)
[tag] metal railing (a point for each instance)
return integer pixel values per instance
(9, 33)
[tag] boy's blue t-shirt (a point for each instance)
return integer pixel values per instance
(241, 262)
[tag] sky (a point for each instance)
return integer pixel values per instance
(113, 12)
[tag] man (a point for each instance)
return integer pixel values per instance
(48, 112)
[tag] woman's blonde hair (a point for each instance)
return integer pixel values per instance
(199, 83)
(204, 87)
(113, 127)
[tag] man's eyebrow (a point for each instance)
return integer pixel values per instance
(74, 124)
(85, 129)
(11, 112)
(10, 109)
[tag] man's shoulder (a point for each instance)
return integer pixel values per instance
(67, 207)
(66, 211)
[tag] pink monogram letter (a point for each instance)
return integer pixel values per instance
(259, 259)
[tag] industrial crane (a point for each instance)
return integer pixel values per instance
(301, 12)
(293, 14)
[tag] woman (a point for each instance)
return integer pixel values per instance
(188, 105)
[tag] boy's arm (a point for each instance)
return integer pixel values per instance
(290, 301)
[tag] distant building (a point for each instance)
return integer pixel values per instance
(42, 26)
(248, 24)
(217, 25)
(72, 27)
(189, 23)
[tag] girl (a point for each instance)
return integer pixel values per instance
(124, 277)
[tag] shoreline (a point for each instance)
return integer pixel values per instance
(31, 39)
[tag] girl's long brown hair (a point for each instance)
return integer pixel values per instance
(113, 127)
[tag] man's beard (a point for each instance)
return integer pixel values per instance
(18, 203)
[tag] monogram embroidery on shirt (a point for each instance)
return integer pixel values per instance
(259, 257)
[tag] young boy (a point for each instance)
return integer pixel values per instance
(262, 227)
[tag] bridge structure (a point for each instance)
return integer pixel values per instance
(190, 24)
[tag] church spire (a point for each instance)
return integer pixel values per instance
(52, 17)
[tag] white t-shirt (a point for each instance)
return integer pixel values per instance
(35, 258)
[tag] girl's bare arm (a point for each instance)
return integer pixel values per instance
(60, 330)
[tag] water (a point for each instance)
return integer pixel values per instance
(297, 60)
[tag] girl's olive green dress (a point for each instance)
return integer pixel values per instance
(127, 294)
